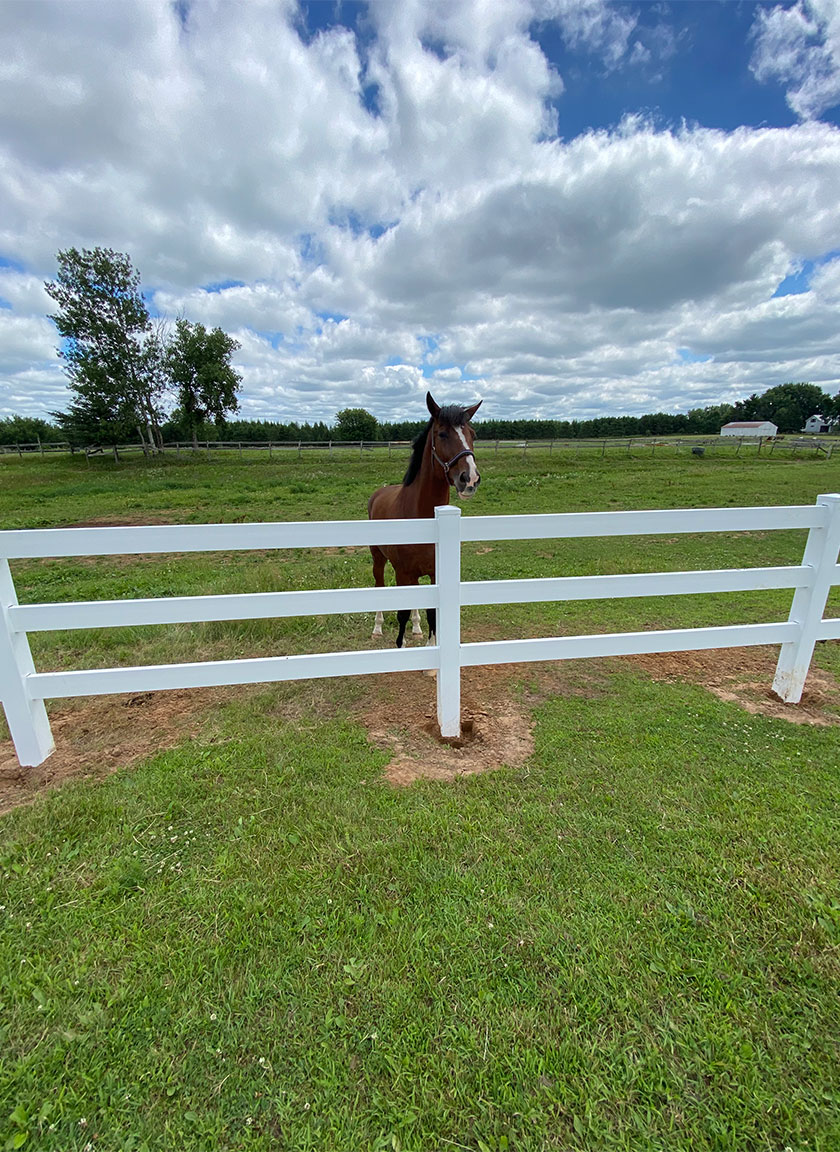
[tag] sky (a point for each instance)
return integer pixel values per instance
(566, 208)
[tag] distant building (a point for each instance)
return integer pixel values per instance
(749, 428)
(816, 424)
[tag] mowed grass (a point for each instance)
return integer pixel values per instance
(252, 941)
(253, 488)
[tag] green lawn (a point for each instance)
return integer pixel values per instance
(252, 941)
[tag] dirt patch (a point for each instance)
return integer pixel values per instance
(96, 737)
(123, 520)
(496, 726)
(744, 676)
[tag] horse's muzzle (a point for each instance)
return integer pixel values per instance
(464, 486)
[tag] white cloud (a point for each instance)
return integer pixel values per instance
(799, 47)
(376, 214)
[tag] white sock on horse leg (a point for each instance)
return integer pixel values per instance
(416, 630)
(377, 624)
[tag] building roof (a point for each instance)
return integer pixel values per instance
(747, 423)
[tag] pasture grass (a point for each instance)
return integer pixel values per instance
(67, 490)
(251, 941)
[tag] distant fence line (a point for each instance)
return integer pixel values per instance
(632, 445)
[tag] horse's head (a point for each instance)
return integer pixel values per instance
(452, 444)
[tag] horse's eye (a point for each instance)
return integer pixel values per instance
(444, 435)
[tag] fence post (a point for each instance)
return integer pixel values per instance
(809, 603)
(448, 580)
(27, 718)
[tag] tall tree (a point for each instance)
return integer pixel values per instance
(787, 405)
(356, 424)
(104, 325)
(199, 366)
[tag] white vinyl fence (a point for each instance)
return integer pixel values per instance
(23, 690)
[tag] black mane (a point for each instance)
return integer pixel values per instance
(453, 416)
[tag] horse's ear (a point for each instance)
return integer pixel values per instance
(470, 412)
(434, 408)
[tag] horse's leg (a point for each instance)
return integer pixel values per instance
(402, 619)
(378, 558)
(416, 630)
(431, 616)
(403, 614)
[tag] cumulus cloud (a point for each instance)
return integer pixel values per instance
(799, 47)
(368, 213)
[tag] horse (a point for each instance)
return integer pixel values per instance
(446, 441)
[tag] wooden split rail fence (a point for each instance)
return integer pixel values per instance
(609, 446)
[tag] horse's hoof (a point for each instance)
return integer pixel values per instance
(376, 634)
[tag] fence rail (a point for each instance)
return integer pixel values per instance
(23, 690)
(598, 446)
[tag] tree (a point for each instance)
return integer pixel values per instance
(356, 424)
(103, 322)
(199, 367)
(26, 430)
(787, 405)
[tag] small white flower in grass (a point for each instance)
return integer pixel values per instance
(249, 1120)
(307, 1106)
(83, 1122)
(521, 942)
(262, 1062)
(489, 923)
(212, 1015)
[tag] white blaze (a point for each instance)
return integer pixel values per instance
(467, 463)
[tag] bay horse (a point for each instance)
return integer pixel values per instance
(446, 441)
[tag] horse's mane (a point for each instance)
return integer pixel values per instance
(454, 416)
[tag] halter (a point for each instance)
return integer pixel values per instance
(447, 464)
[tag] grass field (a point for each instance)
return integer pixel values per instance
(250, 939)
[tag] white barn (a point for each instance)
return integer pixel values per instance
(816, 424)
(749, 428)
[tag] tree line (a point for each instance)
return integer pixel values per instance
(787, 405)
(133, 376)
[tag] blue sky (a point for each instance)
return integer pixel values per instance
(567, 207)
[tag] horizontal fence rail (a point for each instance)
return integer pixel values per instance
(23, 690)
(641, 445)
